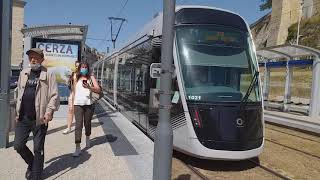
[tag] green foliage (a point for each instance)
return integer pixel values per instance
(292, 32)
(309, 32)
(267, 4)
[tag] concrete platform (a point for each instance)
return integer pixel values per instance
(301, 122)
(119, 151)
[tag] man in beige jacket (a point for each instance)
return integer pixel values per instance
(36, 102)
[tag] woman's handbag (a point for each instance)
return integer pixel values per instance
(96, 96)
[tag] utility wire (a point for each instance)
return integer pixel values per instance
(124, 5)
(98, 39)
(109, 27)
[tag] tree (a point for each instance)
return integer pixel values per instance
(267, 4)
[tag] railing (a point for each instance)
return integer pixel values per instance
(286, 78)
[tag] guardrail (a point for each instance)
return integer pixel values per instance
(304, 123)
(286, 104)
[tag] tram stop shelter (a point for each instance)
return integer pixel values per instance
(289, 56)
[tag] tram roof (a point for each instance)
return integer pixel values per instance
(154, 27)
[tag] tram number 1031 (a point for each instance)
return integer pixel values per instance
(195, 98)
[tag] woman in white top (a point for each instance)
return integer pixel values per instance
(84, 84)
(70, 99)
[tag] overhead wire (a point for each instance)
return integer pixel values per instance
(123, 6)
(97, 39)
(275, 19)
(109, 27)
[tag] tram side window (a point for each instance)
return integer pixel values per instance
(104, 80)
(108, 86)
(106, 76)
(156, 55)
(141, 79)
(138, 81)
(111, 76)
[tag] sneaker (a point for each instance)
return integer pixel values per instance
(77, 152)
(66, 131)
(88, 145)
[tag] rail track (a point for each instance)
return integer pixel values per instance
(271, 171)
(290, 147)
(294, 149)
(255, 162)
(194, 170)
(290, 134)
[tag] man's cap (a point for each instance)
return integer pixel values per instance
(36, 50)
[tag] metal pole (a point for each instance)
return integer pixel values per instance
(5, 55)
(164, 135)
(315, 91)
(299, 21)
(287, 90)
(266, 82)
(97, 73)
(101, 75)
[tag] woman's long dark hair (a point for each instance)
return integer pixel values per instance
(78, 75)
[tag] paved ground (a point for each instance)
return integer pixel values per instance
(119, 151)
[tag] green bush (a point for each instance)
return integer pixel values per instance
(309, 32)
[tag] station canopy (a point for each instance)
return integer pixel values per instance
(287, 52)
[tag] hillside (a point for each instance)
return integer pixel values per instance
(309, 32)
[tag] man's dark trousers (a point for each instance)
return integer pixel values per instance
(35, 162)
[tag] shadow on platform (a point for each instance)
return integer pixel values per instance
(67, 162)
(51, 131)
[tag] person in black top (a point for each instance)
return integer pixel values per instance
(36, 102)
(28, 99)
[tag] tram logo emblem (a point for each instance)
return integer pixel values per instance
(240, 122)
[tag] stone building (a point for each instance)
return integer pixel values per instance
(272, 29)
(17, 36)
(91, 55)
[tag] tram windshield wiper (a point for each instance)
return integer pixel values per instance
(253, 82)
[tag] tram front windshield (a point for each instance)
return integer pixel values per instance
(216, 64)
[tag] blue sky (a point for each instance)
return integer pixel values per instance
(95, 13)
